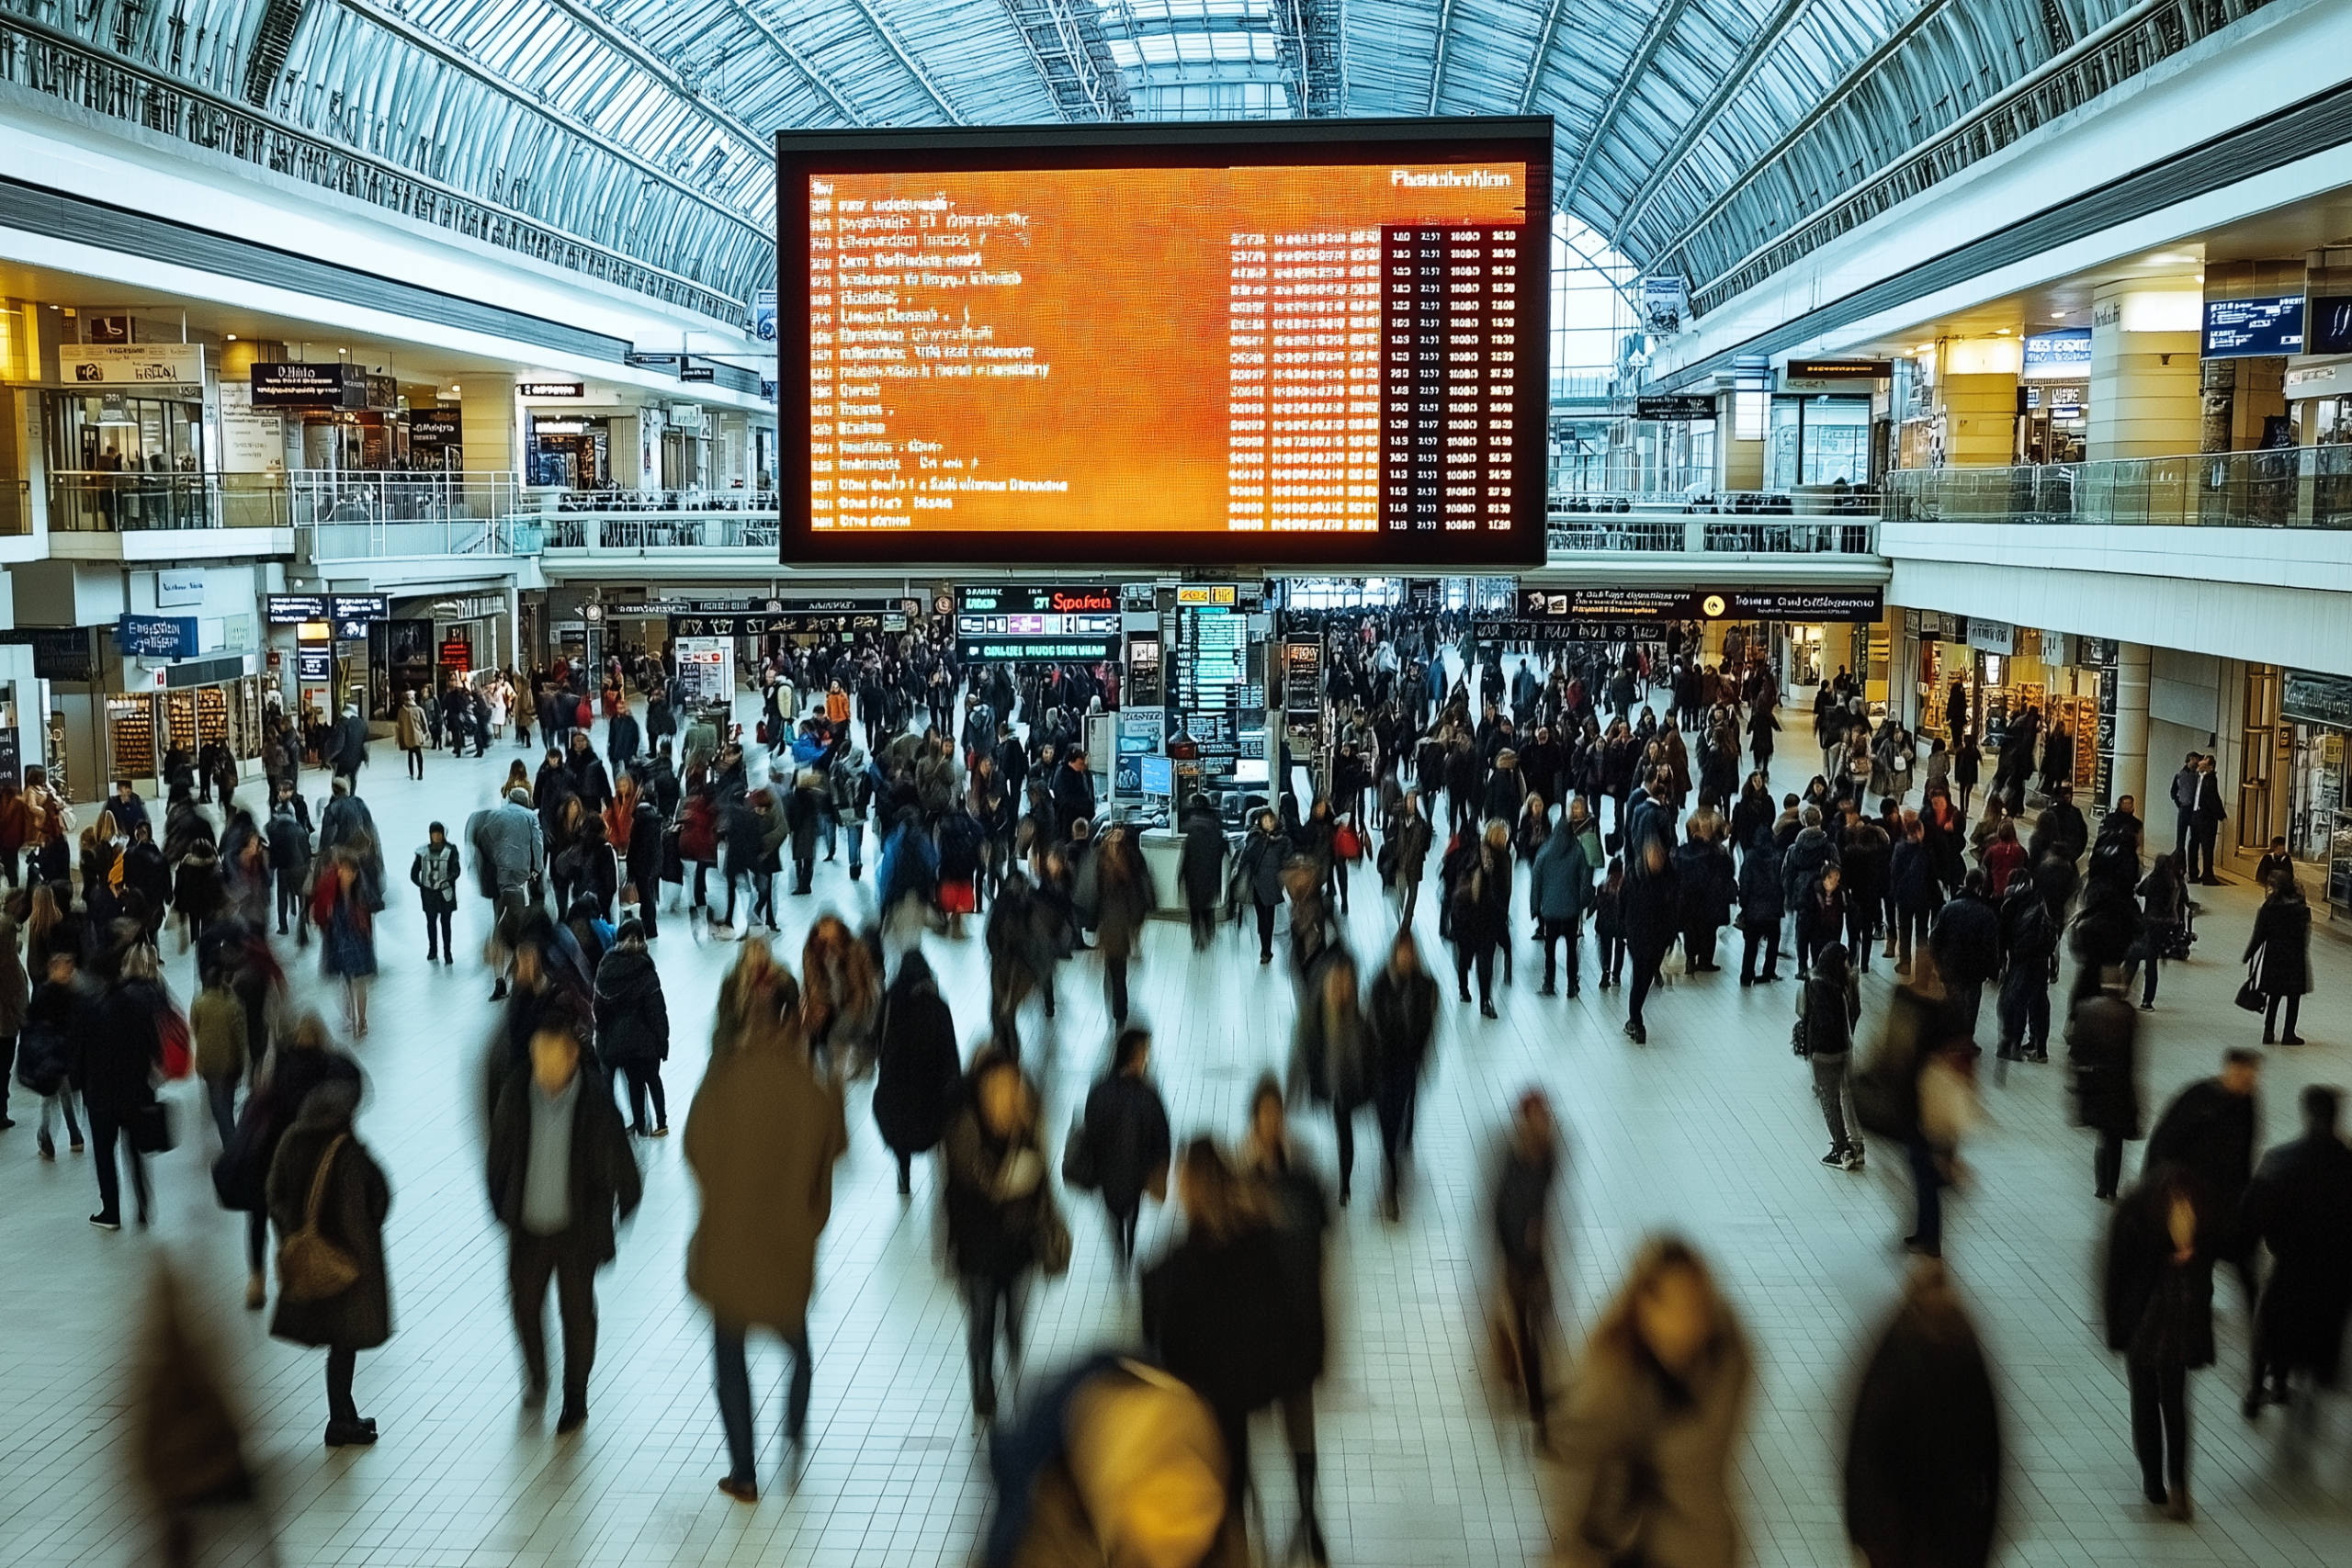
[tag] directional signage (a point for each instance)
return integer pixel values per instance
(156, 637)
(1593, 602)
(1033, 621)
(1677, 408)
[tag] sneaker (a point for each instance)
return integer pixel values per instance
(2147, 1007)
(661, 1131)
(1637, 1034)
(256, 1293)
(106, 1221)
(1853, 1161)
(1833, 1160)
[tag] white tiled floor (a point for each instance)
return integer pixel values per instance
(1711, 1129)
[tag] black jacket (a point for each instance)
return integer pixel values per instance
(1127, 1133)
(1222, 1319)
(632, 1015)
(604, 1172)
(2159, 1309)
(2299, 1205)
(2210, 1131)
(1967, 941)
(917, 1070)
(1923, 1452)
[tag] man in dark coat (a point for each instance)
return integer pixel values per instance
(2299, 1205)
(1200, 867)
(918, 1069)
(1073, 792)
(2102, 1047)
(560, 1168)
(1966, 943)
(1923, 1454)
(2209, 1129)
(2060, 831)
(1126, 1140)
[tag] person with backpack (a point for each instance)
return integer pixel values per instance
(1124, 1144)
(2029, 942)
(1829, 1003)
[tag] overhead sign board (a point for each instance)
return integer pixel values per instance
(706, 373)
(358, 607)
(435, 427)
(156, 637)
(2314, 698)
(2065, 353)
(1674, 406)
(130, 365)
(293, 609)
(279, 385)
(1665, 304)
(1840, 369)
(2239, 329)
(551, 389)
(1039, 621)
(1605, 602)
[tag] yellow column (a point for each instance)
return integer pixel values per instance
(2146, 387)
(486, 403)
(1976, 393)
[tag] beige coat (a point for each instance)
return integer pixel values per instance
(1635, 1476)
(412, 726)
(761, 1139)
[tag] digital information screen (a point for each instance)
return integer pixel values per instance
(1022, 622)
(1188, 344)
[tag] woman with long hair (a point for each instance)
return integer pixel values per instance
(1645, 1444)
(347, 929)
(2163, 915)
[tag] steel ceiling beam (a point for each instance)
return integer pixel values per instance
(1437, 66)
(1759, 47)
(882, 31)
(1542, 52)
(1072, 59)
(800, 62)
(1661, 25)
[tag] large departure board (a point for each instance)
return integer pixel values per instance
(1321, 345)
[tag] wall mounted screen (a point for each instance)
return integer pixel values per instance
(1186, 344)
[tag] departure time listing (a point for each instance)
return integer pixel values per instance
(1295, 349)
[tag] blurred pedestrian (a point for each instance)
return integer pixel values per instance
(2102, 1047)
(1476, 873)
(121, 1050)
(1645, 1444)
(15, 986)
(346, 933)
(328, 1199)
(1829, 1003)
(1400, 1017)
(1923, 1453)
(1331, 1060)
(217, 1022)
(2299, 1205)
(1125, 896)
(1300, 1212)
(998, 1210)
(1200, 868)
(560, 1173)
(2210, 1130)
(1522, 1220)
(1653, 906)
(762, 1138)
(1125, 1141)
(919, 1072)
(2159, 1308)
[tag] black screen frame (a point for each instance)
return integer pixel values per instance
(801, 155)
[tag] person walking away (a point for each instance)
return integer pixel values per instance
(1200, 869)
(1405, 853)
(48, 1046)
(1707, 887)
(1216, 1308)
(412, 729)
(2102, 1047)
(1262, 858)
(2164, 925)
(918, 1071)
(762, 1138)
(1891, 1096)
(1301, 1212)
(2159, 1307)
(1829, 1003)
(347, 935)
(509, 857)
(560, 1173)
(998, 1210)
(1652, 904)
(1522, 1221)
(633, 1026)
(1400, 1017)
(15, 992)
(1331, 1060)
(2278, 957)
(435, 872)
(2210, 1130)
(1661, 1394)
(1125, 1141)
(290, 859)
(1609, 923)
(2299, 1205)
(328, 1199)
(2029, 944)
(121, 1052)
(1125, 897)
(217, 1022)
(1561, 879)
(1923, 1450)
(1966, 943)
(1762, 907)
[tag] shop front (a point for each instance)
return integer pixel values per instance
(2054, 396)
(570, 451)
(2315, 718)
(126, 449)
(174, 706)
(2007, 671)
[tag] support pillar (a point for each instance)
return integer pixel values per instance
(2128, 773)
(487, 421)
(1976, 398)
(2147, 396)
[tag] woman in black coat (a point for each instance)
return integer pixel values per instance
(2159, 1300)
(2280, 953)
(2102, 1047)
(353, 1202)
(121, 1054)
(1708, 886)
(1923, 1452)
(1653, 904)
(633, 1026)
(918, 1069)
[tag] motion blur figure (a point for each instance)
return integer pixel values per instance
(1300, 1208)
(2102, 1047)
(2210, 1131)
(1923, 1454)
(1522, 1221)
(1401, 1016)
(1126, 1139)
(324, 1183)
(1645, 1444)
(997, 1207)
(2299, 1205)
(2159, 1302)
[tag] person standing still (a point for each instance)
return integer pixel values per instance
(560, 1172)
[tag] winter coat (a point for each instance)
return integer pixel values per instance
(761, 1139)
(1911, 878)
(1967, 941)
(1200, 867)
(1262, 858)
(2159, 1310)
(507, 849)
(122, 1047)
(409, 726)
(2102, 1048)
(200, 894)
(996, 1196)
(15, 986)
(1829, 1011)
(1923, 1451)
(2300, 1203)
(1707, 885)
(435, 872)
(632, 1015)
(350, 1216)
(2279, 947)
(603, 1174)
(1641, 1475)
(1222, 1319)
(1126, 1136)
(917, 1071)
(217, 1022)
(2211, 1132)
(1561, 878)
(1400, 1017)
(1803, 863)
(1653, 906)
(1865, 862)
(1763, 899)
(1407, 850)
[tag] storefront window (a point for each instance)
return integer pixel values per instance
(1818, 441)
(122, 462)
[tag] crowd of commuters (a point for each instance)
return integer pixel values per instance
(1601, 782)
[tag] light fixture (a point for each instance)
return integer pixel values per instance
(455, 389)
(233, 337)
(2200, 278)
(2058, 316)
(2000, 332)
(1925, 348)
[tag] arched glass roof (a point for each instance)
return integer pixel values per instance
(1695, 135)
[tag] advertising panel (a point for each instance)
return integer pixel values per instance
(130, 365)
(2238, 329)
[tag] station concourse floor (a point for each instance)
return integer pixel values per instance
(1709, 1130)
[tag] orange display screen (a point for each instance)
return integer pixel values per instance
(1327, 361)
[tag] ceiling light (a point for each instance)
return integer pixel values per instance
(2200, 278)
(1925, 348)
(233, 337)
(2058, 316)
(2001, 331)
(454, 388)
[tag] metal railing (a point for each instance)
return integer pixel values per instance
(2302, 487)
(660, 530)
(321, 496)
(1652, 532)
(692, 499)
(86, 502)
(377, 541)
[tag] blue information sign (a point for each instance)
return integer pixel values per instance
(156, 637)
(2239, 329)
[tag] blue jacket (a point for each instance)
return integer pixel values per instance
(1563, 878)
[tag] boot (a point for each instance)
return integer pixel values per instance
(1310, 1528)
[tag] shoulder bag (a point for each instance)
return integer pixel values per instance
(309, 1267)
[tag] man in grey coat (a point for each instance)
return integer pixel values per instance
(509, 856)
(1563, 877)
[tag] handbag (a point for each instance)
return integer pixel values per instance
(2250, 998)
(1053, 1239)
(178, 1059)
(149, 1128)
(309, 1267)
(1077, 1159)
